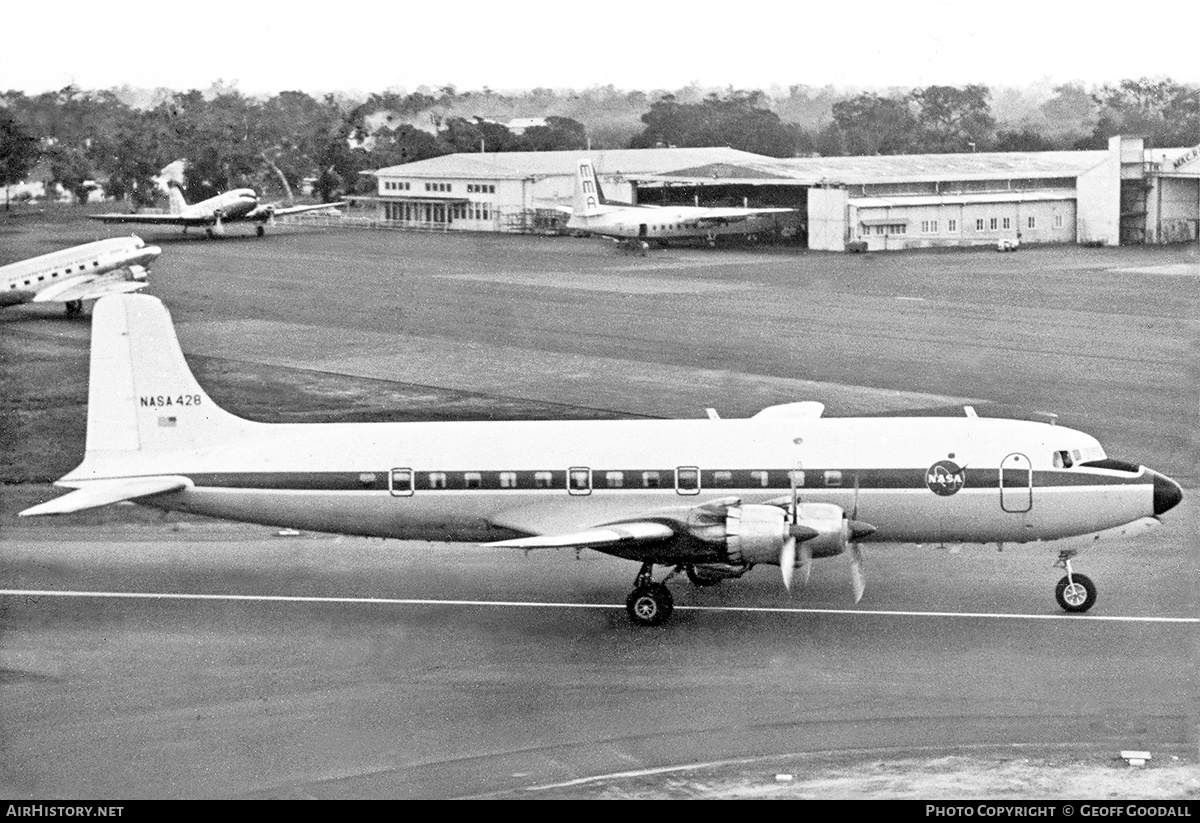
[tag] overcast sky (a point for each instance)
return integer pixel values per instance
(264, 46)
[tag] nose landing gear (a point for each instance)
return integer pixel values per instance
(1075, 592)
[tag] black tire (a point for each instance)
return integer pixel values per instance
(1077, 594)
(650, 605)
(699, 579)
(260, 230)
(74, 308)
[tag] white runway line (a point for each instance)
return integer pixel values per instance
(385, 601)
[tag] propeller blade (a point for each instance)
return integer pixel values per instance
(787, 562)
(805, 563)
(857, 580)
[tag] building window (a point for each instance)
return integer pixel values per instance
(993, 223)
(929, 226)
(951, 225)
(1058, 221)
(1031, 222)
(979, 224)
(1007, 222)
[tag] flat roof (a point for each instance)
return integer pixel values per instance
(952, 199)
(519, 165)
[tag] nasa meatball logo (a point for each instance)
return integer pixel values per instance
(945, 477)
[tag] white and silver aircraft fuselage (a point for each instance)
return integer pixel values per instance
(710, 497)
(85, 272)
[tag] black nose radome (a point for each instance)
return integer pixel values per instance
(1167, 493)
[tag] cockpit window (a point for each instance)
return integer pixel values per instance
(1063, 459)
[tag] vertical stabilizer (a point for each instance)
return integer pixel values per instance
(141, 393)
(175, 198)
(587, 190)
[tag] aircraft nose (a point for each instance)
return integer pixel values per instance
(1167, 493)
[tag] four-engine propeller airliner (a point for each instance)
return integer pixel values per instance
(234, 206)
(710, 497)
(86, 272)
(592, 214)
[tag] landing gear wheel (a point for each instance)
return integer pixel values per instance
(261, 230)
(699, 579)
(1076, 593)
(650, 605)
(74, 308)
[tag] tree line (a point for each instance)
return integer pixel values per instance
(230, 139)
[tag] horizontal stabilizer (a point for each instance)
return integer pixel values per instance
(96, 493)
(805, 409)
(637, 532)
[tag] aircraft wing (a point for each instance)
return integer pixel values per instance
(95, 493)
(89, 288)
(645, 531)
(278, 212)
(155, 219)
(724, 217)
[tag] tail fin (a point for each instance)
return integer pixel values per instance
(175, 198)
(142, 397)
(587, 190)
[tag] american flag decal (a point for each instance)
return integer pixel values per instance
(166, 422)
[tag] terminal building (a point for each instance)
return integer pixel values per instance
(1126, 194)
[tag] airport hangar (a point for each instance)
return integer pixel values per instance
(1123, 195)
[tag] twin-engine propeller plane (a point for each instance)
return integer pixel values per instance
(86, 272)
(592, 214)
(709, 497)
(234, 206)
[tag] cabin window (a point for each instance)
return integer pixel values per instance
(96, 264)
(40, 279)
(614, 480)
(723, 479)
(437, 480)
(402, 482)
(68, 272)
(508, 480)
(796, 478)
(543, 480)
(687, 480)
(833, 477)
(53, 274)
(650, 480)
(472, 480)
(579, 480)
(761, 477)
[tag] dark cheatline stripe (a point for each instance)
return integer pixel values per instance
(640, 479)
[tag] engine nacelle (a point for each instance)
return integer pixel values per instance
(755, 533)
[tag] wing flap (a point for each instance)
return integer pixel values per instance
(96, 493)
(89, 289)
(632, 532)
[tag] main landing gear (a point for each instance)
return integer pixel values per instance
(74, 308)
(1075, 592)
(650, 603)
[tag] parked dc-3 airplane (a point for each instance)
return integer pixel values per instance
(234, 206)
(70, 276)
(711, 497)
(592, 214)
